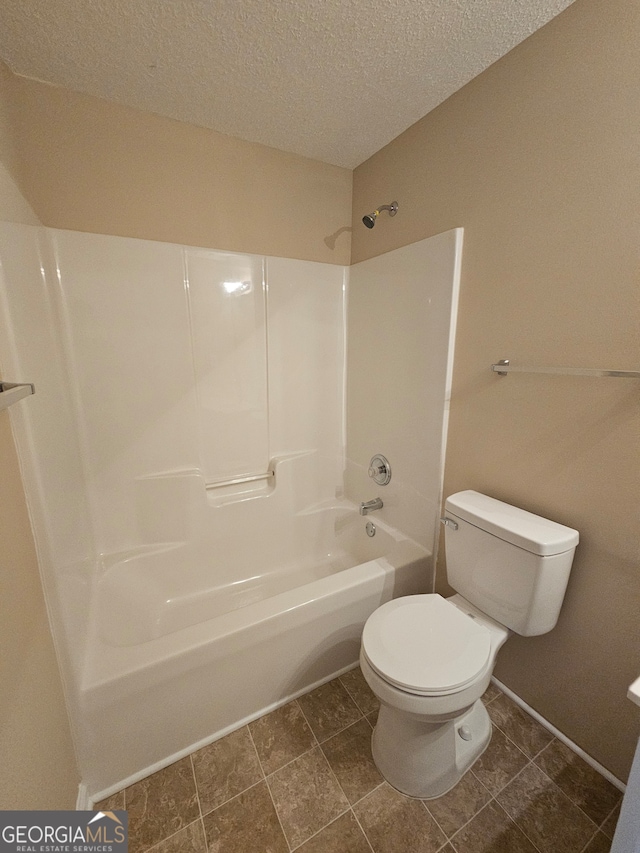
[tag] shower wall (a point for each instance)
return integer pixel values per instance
(160, 371)
(402, 317)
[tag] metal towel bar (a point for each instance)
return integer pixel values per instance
(503, 367)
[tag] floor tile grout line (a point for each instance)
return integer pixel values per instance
(569, 797)
(577, 805)
(368, 794)
(237, 794)
(446, 834)
(344, 793)
(343, 729)
(275, 808)
(286, 764)
(306, 719)
(479, 780)
(453, 834)
(515, 823)
(322, 828)
(352, 697)
(361, 717)
(494, 799)
(318, 746)
(195, 782)
(582, 849)
(302, 754)
(333, 819)
(617, 805)
(511, 740)
(235, 797)
(558, 789)
(255, 749)
(544, 748)
(532, 761)
(265, 776)
(331, 770)
(199, 818)
(362, 829)
(173, 834)
(512, 779)
(346, 728)
(554, 738)
(511, 820)
(437, 823)
(531, 758)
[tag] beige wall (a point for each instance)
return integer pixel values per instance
(13, 205)
(538, 159)
(36, 752)
(90, 165)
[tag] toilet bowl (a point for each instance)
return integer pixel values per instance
(429, 659)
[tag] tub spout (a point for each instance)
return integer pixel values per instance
(369, 506)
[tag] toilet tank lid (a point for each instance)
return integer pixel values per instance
(532, 532)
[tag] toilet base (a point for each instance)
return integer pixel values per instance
(426, 759)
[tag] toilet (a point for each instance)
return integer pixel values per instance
(429, 659)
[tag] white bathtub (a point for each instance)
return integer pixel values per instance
(177, 662)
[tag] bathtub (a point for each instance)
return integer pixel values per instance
(177, 661)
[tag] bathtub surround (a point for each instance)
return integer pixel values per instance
(402, 313)
(184, 461)
(537, 158)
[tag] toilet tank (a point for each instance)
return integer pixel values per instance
(511, 564)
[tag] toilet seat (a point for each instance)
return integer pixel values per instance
(426, 646)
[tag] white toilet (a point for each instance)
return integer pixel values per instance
(429, 659)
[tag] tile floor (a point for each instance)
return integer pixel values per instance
(302, 778)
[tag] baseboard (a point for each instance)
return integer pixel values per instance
(562, 737)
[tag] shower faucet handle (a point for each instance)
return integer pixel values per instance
(379, 469)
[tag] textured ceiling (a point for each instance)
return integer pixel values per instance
(330, 79)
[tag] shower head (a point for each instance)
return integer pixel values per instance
(370, 219)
